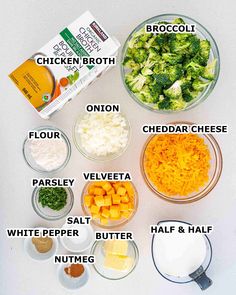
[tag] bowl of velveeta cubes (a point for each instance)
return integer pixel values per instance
(110, 203)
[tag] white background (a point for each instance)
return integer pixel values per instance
(27, 25)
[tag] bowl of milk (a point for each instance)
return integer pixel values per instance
(181, 257)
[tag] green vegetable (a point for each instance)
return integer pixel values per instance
(53, 197)
(168, 71)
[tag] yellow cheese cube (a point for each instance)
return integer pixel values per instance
(114, 211)
(111, 191)
(116, 247)
(105, 213)
(99, 201)
(121, 263)
(94, 209)
(107, 186)
(129, 188)
(107, 201)
(126, 214)
(121, 191)
(99, 191)
(88, 200)
(95, 216)
(124, 207)
(125, 198)
(103, 221)
(131, 206)
(115, 199)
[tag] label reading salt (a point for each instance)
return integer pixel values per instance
(78, 219)
(107, 176)
(102, 108)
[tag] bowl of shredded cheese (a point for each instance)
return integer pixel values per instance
(101, 136)
(181, 168)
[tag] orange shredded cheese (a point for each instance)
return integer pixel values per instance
(177, 164)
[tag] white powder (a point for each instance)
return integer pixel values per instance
(49, 154)
(179, 254)
(102, 134)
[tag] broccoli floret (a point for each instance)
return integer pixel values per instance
(175, 91)
(189, 95)
(163, 80)
(178, 104)
(153, 54)
(194, 70)
(139, 55)
(174, 72)
(145, 94)
(205, 47)
(130, 63)
(150, 42)
(155, 90)
(194, 46)
(146, 72)
(185, 84)
(200, 85)
(179, 47)
(165, 104)
(161, 39)
(172, 58)
(209, 71)
(135, 83)
(178, 20)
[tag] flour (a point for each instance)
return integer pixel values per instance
(49, 154)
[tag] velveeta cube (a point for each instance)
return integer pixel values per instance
(124, 207)
(116, 199)
(88, 200)
(125, 199)
(103, 221)
(107, 186)
(121, 191)
(114, 211)
(107, 201)
(105, 213)
(98, 191)
(94, 209)
(99, 201)
(126, 214)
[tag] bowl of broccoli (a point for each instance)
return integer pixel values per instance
(170, 72)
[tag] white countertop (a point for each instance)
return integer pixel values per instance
(26, 26)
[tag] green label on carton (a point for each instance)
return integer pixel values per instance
(74, 44)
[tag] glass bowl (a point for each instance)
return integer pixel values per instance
(112, 223)
(202, 33)
(30, 160)
(46, 212)
(216, 164)
(108, 157)
(98, 251)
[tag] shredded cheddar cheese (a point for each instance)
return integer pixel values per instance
(177, 164)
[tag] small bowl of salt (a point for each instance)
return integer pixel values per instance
(46, 149)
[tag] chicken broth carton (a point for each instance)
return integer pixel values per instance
(48, 87)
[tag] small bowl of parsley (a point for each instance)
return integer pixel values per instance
(52, 203)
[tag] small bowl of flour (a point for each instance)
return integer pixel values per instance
(46, 149)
